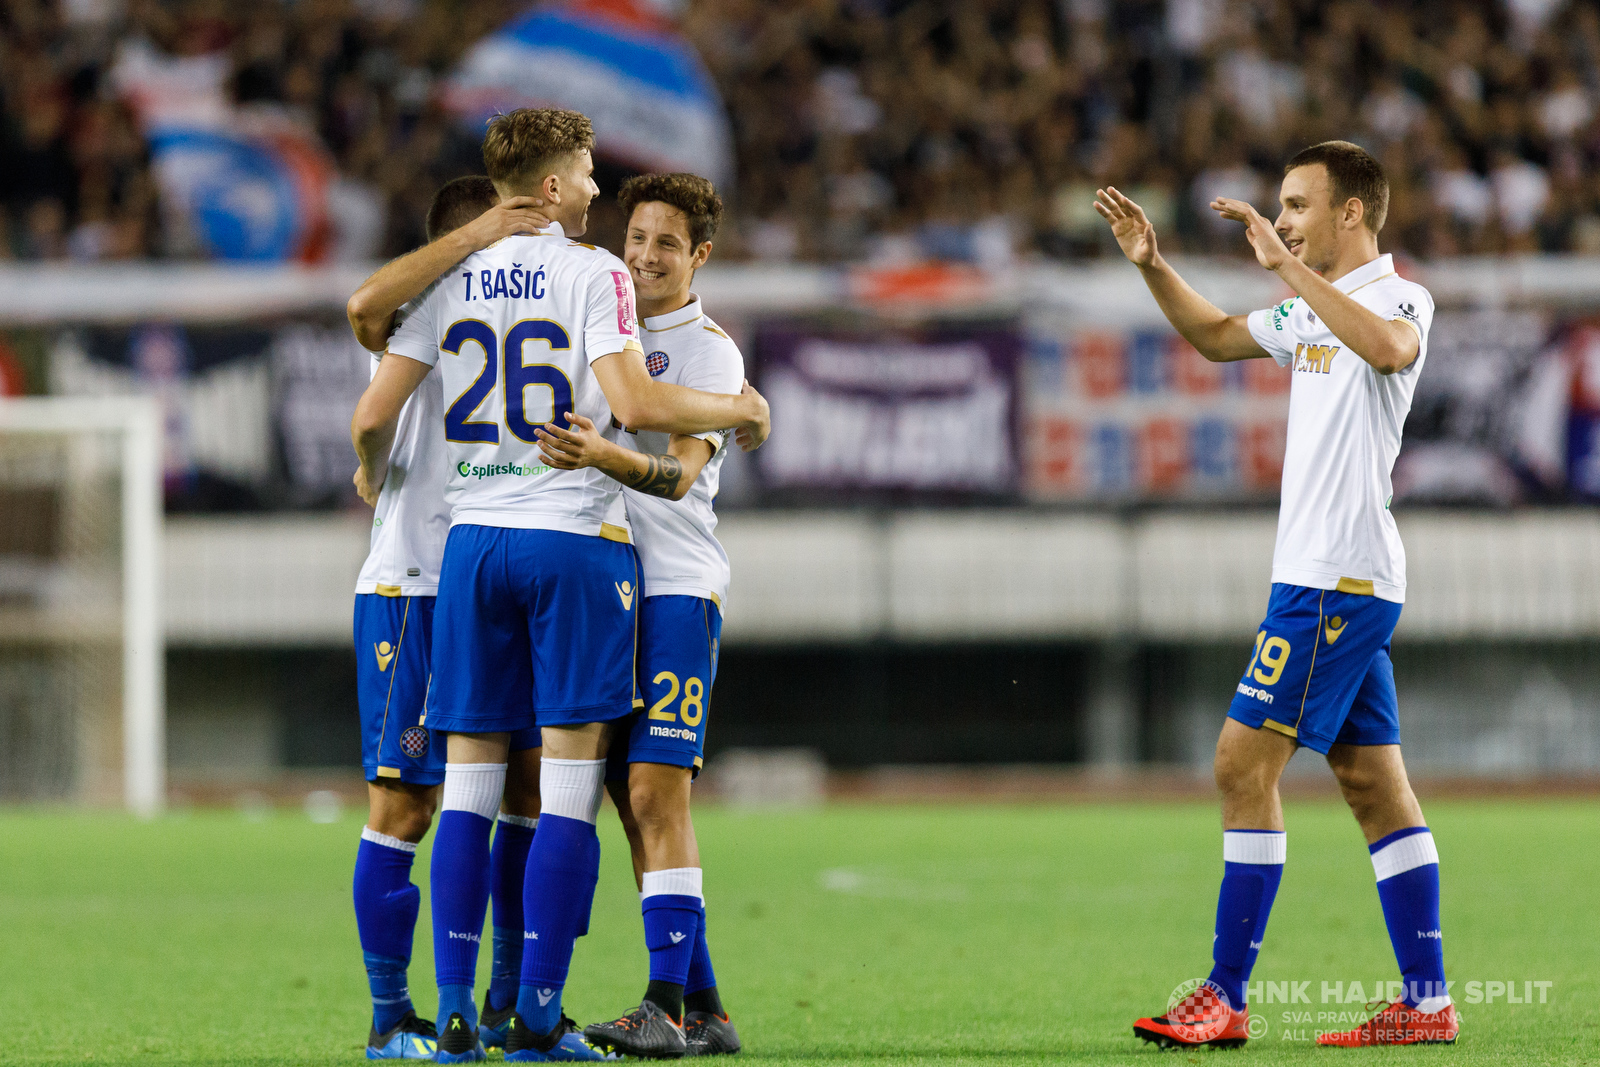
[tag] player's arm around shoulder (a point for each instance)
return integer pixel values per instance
(372, 308)
(1216, 335)
(668, 476)
(643, 403)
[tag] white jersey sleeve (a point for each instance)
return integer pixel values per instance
(414, 335)
(1410, 303)
(1270, 329)
(718, 368)
(610, 327)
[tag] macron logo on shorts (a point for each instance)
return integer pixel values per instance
(1333, 628)
(625, 590)
(385, 652)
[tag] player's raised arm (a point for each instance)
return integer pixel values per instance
(372, 308)
(669, 475)
(1220, 337)
(1389, 345)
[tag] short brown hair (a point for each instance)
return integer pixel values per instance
(691, 194)
(1352, 172)
(458, 202)
(523, 146)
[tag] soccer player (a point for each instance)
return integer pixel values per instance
(671, 483)
(394, 622)
(1355, 338)
(537, 593)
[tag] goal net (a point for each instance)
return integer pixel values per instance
(82, 713)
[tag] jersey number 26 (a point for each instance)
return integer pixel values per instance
(459, 425)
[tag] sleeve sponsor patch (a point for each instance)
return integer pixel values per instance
(624, 302)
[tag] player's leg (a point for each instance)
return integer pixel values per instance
(508, 864)
(1274, 709)
(403, 769)
(475, 776)
(1372, 776)
(579, 596)
(482, 675)
(679, 639)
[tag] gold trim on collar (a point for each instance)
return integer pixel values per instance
(1379, 278)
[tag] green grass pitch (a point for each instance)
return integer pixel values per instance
(879, 934)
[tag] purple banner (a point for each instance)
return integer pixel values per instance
(895, 412)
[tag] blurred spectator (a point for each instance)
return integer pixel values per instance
(889, 130)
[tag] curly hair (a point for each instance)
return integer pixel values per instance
(691, 194)
(525, 145)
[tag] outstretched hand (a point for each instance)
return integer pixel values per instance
(568, 450)
(1130, 226)
(520, 214)
(1270, 250)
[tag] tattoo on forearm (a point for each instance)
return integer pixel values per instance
(660, 475)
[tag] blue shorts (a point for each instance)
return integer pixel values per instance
(535, 628)
(679, 638)
(394, 639)
(1321, 672)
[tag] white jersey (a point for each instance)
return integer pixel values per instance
(513, 329)
(412, 519)
(676, 539)
(1335, 530)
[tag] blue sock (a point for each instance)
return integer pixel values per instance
(671, 902)
(558, 889)
(563, 868)
(1251, 870)
(1407, 866)
(701, 976)
(508, 867)
(386, 916)
(460, 881)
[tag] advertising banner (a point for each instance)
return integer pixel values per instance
(1138, 415)
(932, 413)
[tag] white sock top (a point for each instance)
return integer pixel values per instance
(527, 822)
(474, 787)
(369, 834)
(1254, 846)
(675, 881)
(1414, 850)
(572, 788)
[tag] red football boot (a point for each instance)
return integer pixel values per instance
(1203, 1017)
(1400, 1025)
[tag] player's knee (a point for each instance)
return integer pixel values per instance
(657, 811)
(405, 812)
(1236, 776)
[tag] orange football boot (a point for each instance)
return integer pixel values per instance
(1204, 1017)
(1398, 1024)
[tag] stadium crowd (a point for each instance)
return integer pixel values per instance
(880, 130)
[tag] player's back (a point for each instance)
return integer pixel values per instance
(513, 330)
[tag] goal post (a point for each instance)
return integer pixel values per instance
(80, 555)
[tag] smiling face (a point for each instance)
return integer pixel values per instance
(659, 255)
(576, 187)
(1310, 222)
